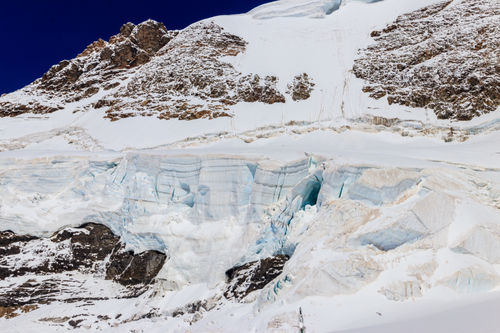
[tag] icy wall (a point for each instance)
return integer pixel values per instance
(190, 207)
(211, 213)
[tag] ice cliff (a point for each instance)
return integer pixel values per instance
(209, 213)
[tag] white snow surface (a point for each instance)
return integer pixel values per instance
(403, 235)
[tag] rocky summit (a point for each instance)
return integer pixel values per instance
(146, 70)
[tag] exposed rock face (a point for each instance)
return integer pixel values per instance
(38, 271)
(146, 70)
(88, 248)
(301, 87)
(255, 275)
(101, 66)
(101, 62)
(252, 89)
(424, 60)
(9, 109)
(129, 269)
(196, 308)
(134, 45)
(7, 238)
(189, 80)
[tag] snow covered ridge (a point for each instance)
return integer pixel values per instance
(444, 57)
(299, 8)
(318, 227)
(147, 70)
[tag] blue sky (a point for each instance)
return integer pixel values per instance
(37, 34)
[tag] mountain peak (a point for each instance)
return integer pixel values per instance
(190, 78)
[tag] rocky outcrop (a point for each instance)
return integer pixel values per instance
(43, 270)
(253, 89)
(255, 275)
(102, 66)
(88, 249)
(101, 61)
(128, 268)
(423, 59)
(8, 240)
(190, 80)
(134, 45)
(301, 87)
(147, 70)
(10, 109)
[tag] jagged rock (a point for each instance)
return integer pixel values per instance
(253, 90)
(8, 312)
(75, 323)
(36, 271)
(135, 45)
(255, 275)
(196, 307)
(89, 249)
(301, 87)
(129, 269)
(93, 243)
(189, 80)
(147, 70)
(8, 109)
(7, 238)
(423, 60)
(32, 292)
(150, 36)
(85, 248)
(100, 64)
(69, 249)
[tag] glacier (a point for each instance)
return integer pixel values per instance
(182, 204)
(378, 216)
(358, 232)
